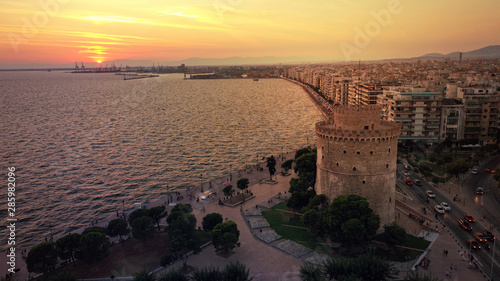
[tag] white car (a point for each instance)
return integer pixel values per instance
(445, 206)
(474, 171)
(439, 209)
(406, 173)
(430, 194)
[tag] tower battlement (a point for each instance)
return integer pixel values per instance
(357, 118)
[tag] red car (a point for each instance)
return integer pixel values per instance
(480, 237)
(464, 225)
(474, 244)
(469, 218)
(491, 171)
(408, 182)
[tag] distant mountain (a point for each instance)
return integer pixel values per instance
(486, 52)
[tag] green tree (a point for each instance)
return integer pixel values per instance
(235, 271)
(68, 245)
(318, 202)
(228, 190)
(366, 267)
(350, 220)
(157, 213)
(458, 167)
(309, 272)
(225, 236)
(210, 221)
(179, 210)
(287, 165)
(302, 151)
(298, 185)
(63, 275)
(173, 275)
(118, 227)
(394, 234)
(314, 221)
(93, 247)
(207, 274)
(98, 229)
(144, 275)
(305, 167)
(181, 231)
(141, 227)
(137, 214)
(299, 200)
(42, 257)
(242, 183)
(167, 259)
(271, 165)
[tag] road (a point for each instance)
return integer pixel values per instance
(450, 220)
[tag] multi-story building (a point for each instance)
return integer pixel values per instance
(452, 120)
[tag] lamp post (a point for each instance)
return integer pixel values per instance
(123, 205)
(282, 156)
(492, 259)
(230, 172)
(201, 182)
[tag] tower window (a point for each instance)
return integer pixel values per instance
(387, 165)
(367, 127)
(323, 157)
(354, 169)
(390, 199)
(358, 152)
(371, 152)
(364, 182)
(337, 164)
(389, 150)
(345, 152)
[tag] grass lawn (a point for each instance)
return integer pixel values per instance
(402, 254)
(131, 258)
(294, 229)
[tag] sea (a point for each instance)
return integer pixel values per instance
(85, 145)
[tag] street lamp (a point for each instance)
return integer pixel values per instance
(201, 182)
(282, 156)
(123, 204)
(230, 172)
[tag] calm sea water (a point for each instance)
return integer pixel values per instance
(82, 143)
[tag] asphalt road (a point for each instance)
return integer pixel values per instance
(450, 218)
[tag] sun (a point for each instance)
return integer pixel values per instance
(99, 61)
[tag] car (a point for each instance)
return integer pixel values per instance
(463, 224)
(474, 244)
(406, 173)
(408, 167)
(474, 171)
(491, 171)
(480, 237)
(445, 206)
(488, 235)
(417, 182)
(430, 194)
(469, 218)
(439, 209)
(408, 182)
(479, 191)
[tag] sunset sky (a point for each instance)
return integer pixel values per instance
(65, 31)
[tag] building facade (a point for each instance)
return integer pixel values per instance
(357, 153)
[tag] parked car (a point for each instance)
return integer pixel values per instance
(480, 237)
(417, 182)
(479, 191)
(408, 182)
(445, 206)
(439, 209)
(469, 218)
(488, 235)
(491, 171)
(406, 173)
(430, 194)
(463, 224)
(474, 171)
(474, 244)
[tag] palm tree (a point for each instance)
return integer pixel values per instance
(207, 274)
(309, 272)
(144, 275)
(174, 275)
(235, 271)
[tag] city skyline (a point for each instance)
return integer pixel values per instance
(61, 31)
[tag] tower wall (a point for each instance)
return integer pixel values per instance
(353, 158)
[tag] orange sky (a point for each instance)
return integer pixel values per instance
(64, 31)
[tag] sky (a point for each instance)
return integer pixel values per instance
(65, 31)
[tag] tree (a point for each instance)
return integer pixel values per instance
(366, 267)
(458, 167)
(225, 236)
(167, 259)
(141, 227)
(118, 227)
(314, 221)
(318, 202)
(157, 213)
(42, 257)
(235, 271)
(93, 247)
(305, 167)
(271, 165)
(63, 275)
(242, 183)
(98, 229)
(298, 185)
(309, 272)
(299, 200)
(350, 220)
(228, 190)
(210, 221)
(174, 275)
(287, 165)
(68, 245)
(301, 152)
(137, 214)
(394, 234)
(207, 274)
(179, 210)
(181, 231)
(144, 275)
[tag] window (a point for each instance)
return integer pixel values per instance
(367, 127)
(389, 150)
(364, 182)
(354, 169)
(337, 164)
(323, 157)
(371, 152)
(357, 152)
(390, 199)
(387, 165)
(345, 152)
